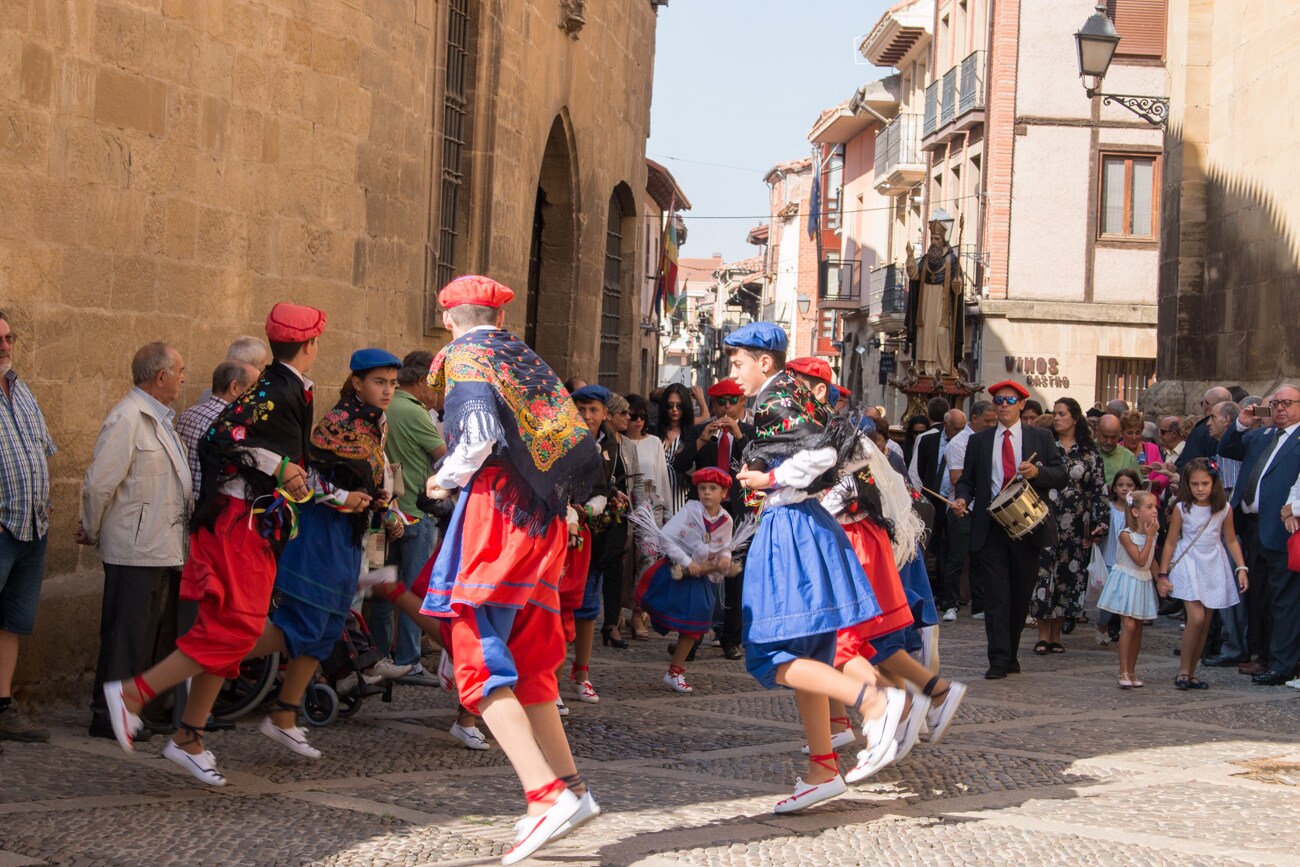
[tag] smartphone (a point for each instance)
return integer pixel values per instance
(1263, 410)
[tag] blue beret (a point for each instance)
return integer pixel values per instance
(369, 359)
(767, 336)
(832, 394)
(866, 425)
(592, 393)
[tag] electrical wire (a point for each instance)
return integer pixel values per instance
(692, 216)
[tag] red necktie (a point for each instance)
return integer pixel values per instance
(724, 452)
(1008, 459)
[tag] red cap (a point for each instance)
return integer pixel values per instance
(1011, 384)
(483, 291)
(293, 323)
(711, 474)
(726, 388)
(817, 368)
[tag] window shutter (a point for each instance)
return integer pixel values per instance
(1141, 26)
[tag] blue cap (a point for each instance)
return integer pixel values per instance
(369, 359)
(866, 425)
(766, 336)
(592, 392)
(832, 394)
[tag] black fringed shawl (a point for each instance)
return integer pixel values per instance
(788, 419)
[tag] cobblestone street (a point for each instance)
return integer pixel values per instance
(1054, 766)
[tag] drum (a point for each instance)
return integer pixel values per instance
(1018, 508)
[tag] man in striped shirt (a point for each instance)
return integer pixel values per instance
(25, 444)
(229, 381)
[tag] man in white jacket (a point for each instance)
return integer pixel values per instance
(135, 506)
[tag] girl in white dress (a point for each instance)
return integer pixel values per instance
(1126, 481)
(1201, 537)
(1128, 587)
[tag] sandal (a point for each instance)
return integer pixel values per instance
(1189, 681)
(1042, 648)
(1124, 681)
(1056, 648)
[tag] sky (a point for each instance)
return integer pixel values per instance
(738, 84)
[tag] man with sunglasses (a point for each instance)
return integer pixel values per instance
(995, 457)
(1270, 465)
(718, 442)
(1199, 442)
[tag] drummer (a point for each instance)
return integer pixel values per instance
(995, 458)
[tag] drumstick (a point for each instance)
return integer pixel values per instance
(937, 496)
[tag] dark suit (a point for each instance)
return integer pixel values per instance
(1009, 566)
(1266, 536)
(1199, 444)
(687, 461)
(926, 455)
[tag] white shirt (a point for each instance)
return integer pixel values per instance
(1274, 446)
(999, 436)
(955, 454)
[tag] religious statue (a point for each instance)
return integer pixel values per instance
(935, 303)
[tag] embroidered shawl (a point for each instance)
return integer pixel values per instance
(497, 389)
(788, 419)
(347, 452)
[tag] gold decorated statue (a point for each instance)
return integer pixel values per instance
(935, 302)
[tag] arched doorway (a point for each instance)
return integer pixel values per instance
(553, 265)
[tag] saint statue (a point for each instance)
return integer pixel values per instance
(935, 302)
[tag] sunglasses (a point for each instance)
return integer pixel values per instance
(1006, 400)
(635, 417)
(674, 405)
(1166, 430)
(727, 401)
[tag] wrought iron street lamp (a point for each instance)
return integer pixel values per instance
(804, 302)
(1096, 41)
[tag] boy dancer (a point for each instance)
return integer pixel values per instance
(803, 582)
(253, 461)
(519, 452)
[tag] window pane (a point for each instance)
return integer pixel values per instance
(1112, 196)
(1143, 189)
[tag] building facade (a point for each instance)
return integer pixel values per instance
(173, 169)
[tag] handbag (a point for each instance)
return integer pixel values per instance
(1293, 552)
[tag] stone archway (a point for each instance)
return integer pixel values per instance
(553, 258)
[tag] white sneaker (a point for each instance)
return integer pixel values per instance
(382, 575)
(588, 809)
(950, 615)
(941, 715)
(126, 725)
(202, 767)
(446, 672)
(386, 669)
(978, 615)
(839, 740)
(295, 738)
(1294, 684)
(1101, 639)
(584, 691)
(560, 706)
(677, 682)
(807, 794)
(882, 747)
(470, 736)
(534, 832)
(910, 730)
(418, 676)
(347, 683)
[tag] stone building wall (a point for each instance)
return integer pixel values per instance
(171, 168)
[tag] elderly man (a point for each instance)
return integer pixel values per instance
(229, 380)
(25, 445)
(1199, 442)
(1270, 465)
(1170, 435)
(1116, 407)
(1114, 457)
(135, 503)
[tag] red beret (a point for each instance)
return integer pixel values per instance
(815, 367)
(726, 388)
(711, 474)
(1011, 384)
(473, 289)
(293, 323)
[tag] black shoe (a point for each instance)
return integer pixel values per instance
(732, 651)
(690, 657)
(1014, 668)
(995, 673)
(1224, 661)
(1067, 625)
(1271, 677)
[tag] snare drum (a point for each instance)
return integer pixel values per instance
(1018, 508)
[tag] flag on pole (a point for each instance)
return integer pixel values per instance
(815, 209)
(666, 285)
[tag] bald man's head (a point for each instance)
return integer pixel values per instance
(953, 422)
(1108, 433)
(1218, 394)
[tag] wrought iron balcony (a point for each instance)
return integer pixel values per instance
(887, 299)
(931, 108)
(837, 281)
(971, 91)
(899, 163)
(948, 104)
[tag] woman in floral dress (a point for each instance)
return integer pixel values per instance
(1081, 512)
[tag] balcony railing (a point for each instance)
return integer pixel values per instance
(887, 298)
(972, 83)
(949, 103)
(931, 108)
(899, 143)
(837, 281)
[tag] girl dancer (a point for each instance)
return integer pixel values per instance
(1128, 587)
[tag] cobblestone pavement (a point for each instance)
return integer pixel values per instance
(1054, 766)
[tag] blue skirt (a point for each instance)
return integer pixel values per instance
(320, 567)
(684, 606)
(802, 577)
(916, 584)
(1128, 595)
